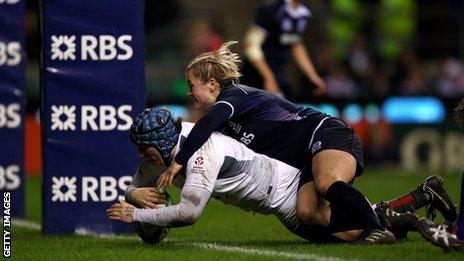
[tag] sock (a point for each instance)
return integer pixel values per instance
(353, 204)
(340, 222)
(460, 222)
(411, 202)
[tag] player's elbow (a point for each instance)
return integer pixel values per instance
(253, 41)
(188, 216)
(190, 219)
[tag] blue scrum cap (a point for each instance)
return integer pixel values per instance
(155, 127)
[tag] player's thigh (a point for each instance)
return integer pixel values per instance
(331, 165)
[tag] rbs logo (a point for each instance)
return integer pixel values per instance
(95, 48)
(10, 53)
(93, 189)
(10, 115)
(9, 177)
(95, 118)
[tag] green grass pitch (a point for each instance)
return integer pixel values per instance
(228, 233)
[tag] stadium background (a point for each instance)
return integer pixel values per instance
(414, 51)
(369, 53)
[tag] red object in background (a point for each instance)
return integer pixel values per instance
(362, 128)
(33, 148)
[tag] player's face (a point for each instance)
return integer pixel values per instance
(202, 93)
(152, 155)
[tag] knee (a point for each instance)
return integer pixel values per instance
(323, 184)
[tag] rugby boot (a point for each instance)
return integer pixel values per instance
(397, 223)
(441, 200)
(440, 235)
(376, 237)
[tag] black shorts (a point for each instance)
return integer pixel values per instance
(333, 134)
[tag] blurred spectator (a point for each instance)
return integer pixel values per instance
(275, 35)
(340, 85)
(414, 83)
(359, 60)
(451, 79)
(324, 57)
(379, 86)
(407, 62)
(203, 37)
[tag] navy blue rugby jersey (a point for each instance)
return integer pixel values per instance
(284, 27)
(262, 121)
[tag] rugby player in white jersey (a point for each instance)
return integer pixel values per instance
(228, 171)
(223, 169)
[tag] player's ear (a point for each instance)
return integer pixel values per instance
(213, 84)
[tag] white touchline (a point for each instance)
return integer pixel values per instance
(201, 245)
(260, 252)
(26, 224)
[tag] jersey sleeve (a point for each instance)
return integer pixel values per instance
(192, 203)
(212, 121)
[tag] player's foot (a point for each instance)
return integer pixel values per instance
(440, 235)
(441, 200)
(397, 223)
(376, 237)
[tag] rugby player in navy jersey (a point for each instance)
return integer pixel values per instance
(324, 148)
(275, 36)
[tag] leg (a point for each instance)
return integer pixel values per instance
(430, 194)
(312, 209)
(460, 221)
(330, 166)
(333, 170)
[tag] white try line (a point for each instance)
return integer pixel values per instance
(200, 245)
(259, 252)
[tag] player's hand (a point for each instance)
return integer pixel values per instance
(319, 84)
(121, 211)
(165, 180)
(148, 197)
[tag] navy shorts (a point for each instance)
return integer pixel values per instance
(333, 134)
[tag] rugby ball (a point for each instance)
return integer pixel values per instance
(150, 233)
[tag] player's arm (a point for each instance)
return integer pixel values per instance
(142, 192)
(253, 41)
(210, 122)
(302, 59)
(199, 184)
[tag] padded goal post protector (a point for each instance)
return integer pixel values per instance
(12, 101)
(92, 86)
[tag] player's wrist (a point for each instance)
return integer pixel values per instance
(136, 215)
(129, 194)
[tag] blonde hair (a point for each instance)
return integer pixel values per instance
(222, 65)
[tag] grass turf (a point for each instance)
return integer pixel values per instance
(238, 235)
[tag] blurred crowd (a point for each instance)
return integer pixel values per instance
(363, 75)
(353, 68)
(177, 30)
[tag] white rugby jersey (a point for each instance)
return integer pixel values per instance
(230, 172)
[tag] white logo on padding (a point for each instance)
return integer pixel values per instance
(64, 189)
(60, 112)
(316, 146)
(63, 47)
